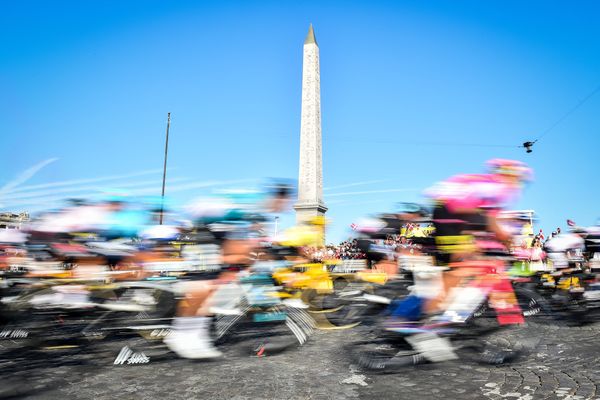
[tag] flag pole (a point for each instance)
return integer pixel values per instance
(162, 195)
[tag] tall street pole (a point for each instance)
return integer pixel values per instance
(162, 195)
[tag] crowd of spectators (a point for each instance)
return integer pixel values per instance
(539, 241)
(348, 249)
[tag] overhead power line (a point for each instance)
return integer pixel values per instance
(568, 113)
(418, 143)
(528, 145)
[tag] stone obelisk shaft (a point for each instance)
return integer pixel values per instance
(310, 180)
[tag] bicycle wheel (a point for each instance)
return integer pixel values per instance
(260, 336)
(503, 345)
(384, 356)
(533, 305)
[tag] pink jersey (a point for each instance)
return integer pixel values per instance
(470, 191)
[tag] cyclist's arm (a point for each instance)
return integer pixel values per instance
(497, 230)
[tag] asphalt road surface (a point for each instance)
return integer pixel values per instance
(566, 365)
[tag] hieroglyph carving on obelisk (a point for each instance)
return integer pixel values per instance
(310, 180)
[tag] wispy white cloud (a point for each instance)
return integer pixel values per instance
(87, 180)
(78, 190)
(44, 202)
(70, 191)
(350, 202)
(369, 192)
(195, 185)
(330, 202)
(355, 184)
(26, 175)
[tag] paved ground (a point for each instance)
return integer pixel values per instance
(565, 366)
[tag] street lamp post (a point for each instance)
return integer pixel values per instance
(162, 194)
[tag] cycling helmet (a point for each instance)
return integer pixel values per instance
(280, 188)
(412, 208)
(513, 168)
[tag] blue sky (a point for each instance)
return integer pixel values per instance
(411, 93)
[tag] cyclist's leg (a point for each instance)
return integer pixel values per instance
(190, 337)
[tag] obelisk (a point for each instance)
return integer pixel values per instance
(310, 179)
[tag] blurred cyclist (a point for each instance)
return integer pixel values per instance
(467, 206)
(234, 220)
(470, 203)
(465, 209)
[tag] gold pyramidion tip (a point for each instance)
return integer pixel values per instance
(310, 38)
